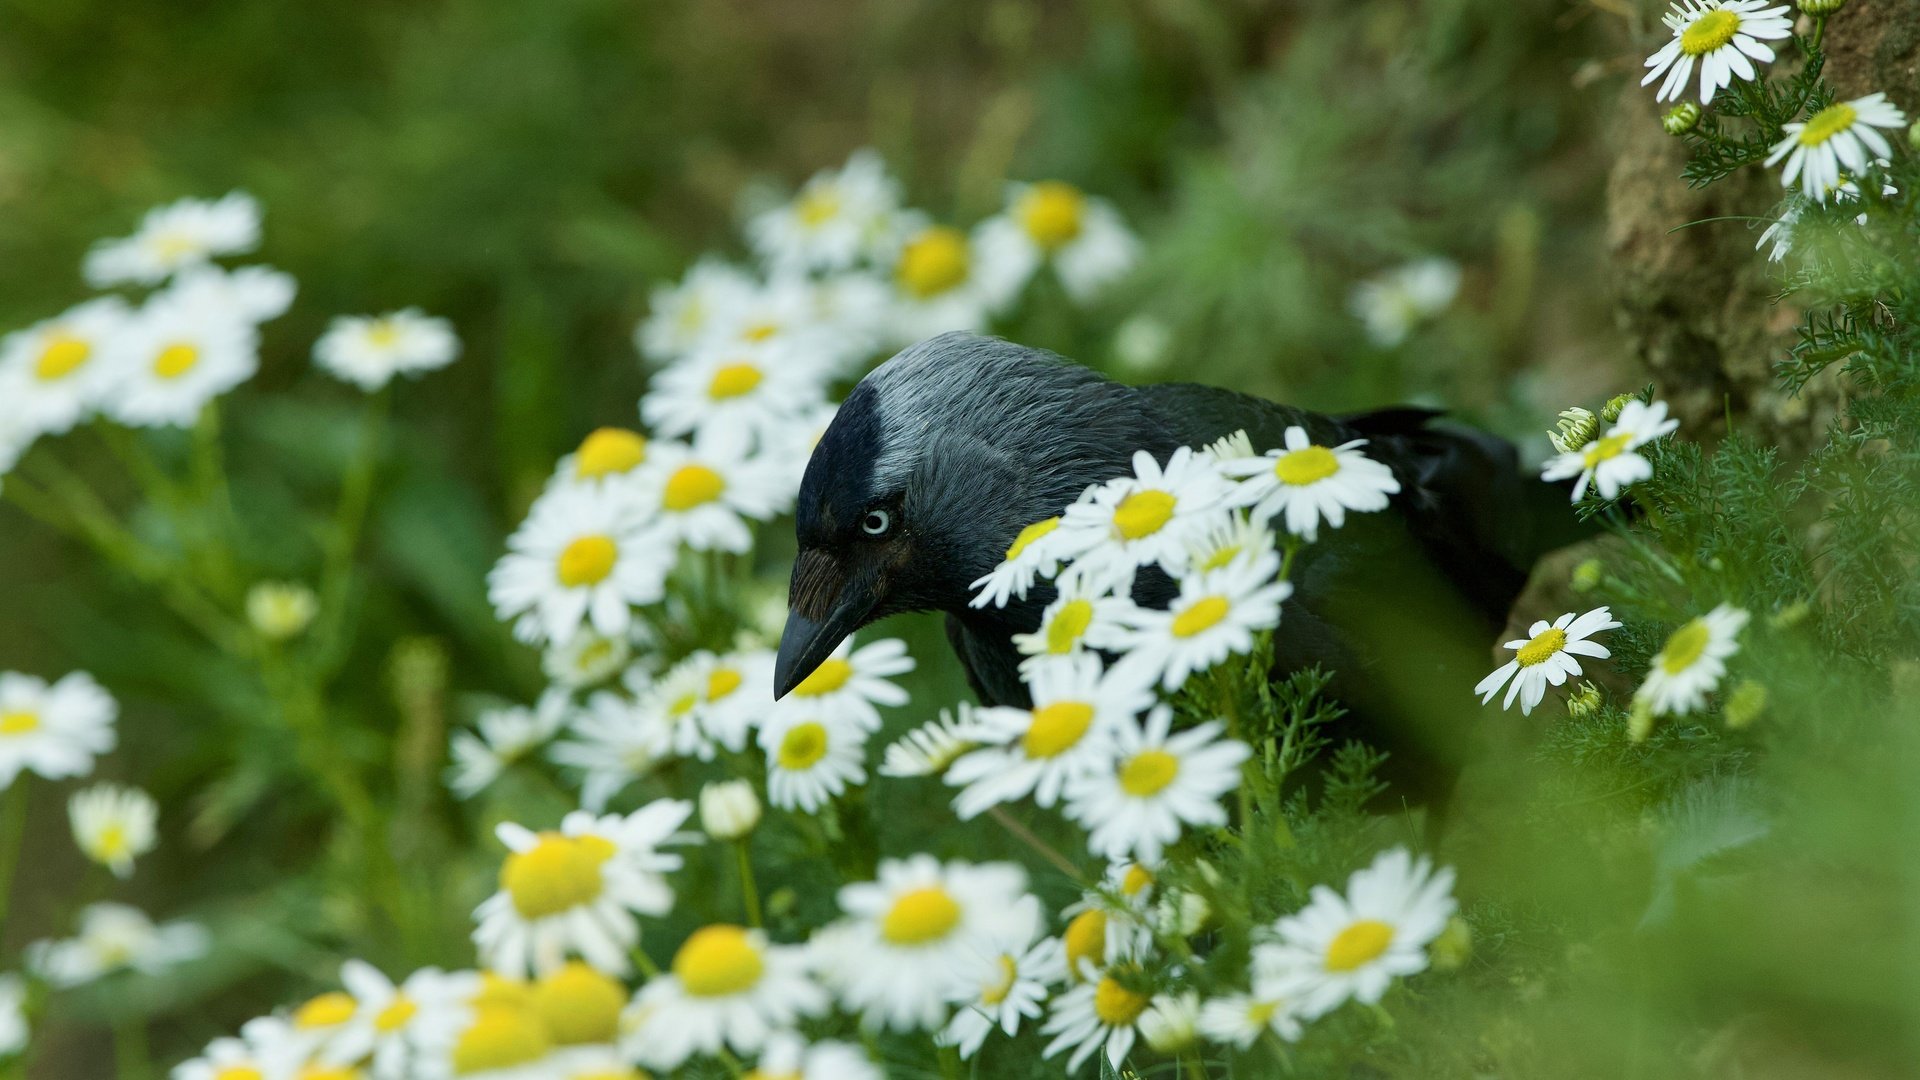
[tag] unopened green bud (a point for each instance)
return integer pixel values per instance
(1611, 410)
(1587, 575)
(1822, 7)
(1576, 428)
(1790, 616)
(281, 611)
(1584, 702)
(1640, 721)
(1913, 135)
(1681, 119)
(1453, 947)
(1745, 704)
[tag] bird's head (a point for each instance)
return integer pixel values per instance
(932, 466)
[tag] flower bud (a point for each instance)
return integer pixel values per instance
(1681, 119)
(1577, 427)
(1184, 913)
(281, 610)
(1640, 721)
(1454, 945)
(1821, 7)
(1584, 703)
(1913, 135)
(1587, 575)
(1745, 704)
(729, 809)
(1790, 616)
(1170, 1024)
(1610, 412)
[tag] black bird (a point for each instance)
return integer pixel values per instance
(941, 455)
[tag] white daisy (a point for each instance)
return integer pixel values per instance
(1836, 141)
(1546, 656)
(370, 350)
(389, 1021)
(1171, 1024)
(500, 1037)
(253, 293)
(1216, 614)
(505, 736)
(113, 825)
(56, 372)
(1158, 784)
(1083, 615)
(1307, 483)
(14, 1029)
(1724, 36)
(1067, 734)
(1100, 1012)
(115, 937)
(852, 311)
(738, 692)
(931, 748)
(229, 1058)
(943, 280)
(1610, 463)
(1009, 986)
(1690, 665)
(1781, 232)
(1035, 552)
(55, 730)
(1152, 516)
(756, 388)
(786, 309)
(1353, 946)
(176, 236)
(833, 222)
(704, 495)
(605, 461)
(613, 743)
(685, 314)
(851, 684)
(1239, 1020)
(1394, 303)
(594, 1063)
(789, 1057)
(590, 658)
(811, 758)
(914, 931)
(727, 987)
(1082, 237)
(178, 352)
(579, 559)
(1237, 538)
(578, 889)
(1110, 923)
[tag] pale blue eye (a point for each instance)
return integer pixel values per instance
(876, 523)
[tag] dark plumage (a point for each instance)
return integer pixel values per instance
(944, 453)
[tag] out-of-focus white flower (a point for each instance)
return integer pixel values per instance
(789, 1057)
(703, 495)
(505, 736)
(931, 748)
(182, 349)
(55, 730)
(253, 293)
(811, 758)
(1306, 483)
(1159, 783)
(850, 685)
(1240, 1020)
(614, 743)
(56, 372)
(1611, 463)
(113, 825)
(606, 458)
(1052, 222)
(1036, 552)
(755, 388)
(370, 350)
(1084, 615)
(590, 658)
(728, 987)
(944, 280)
(115, 937)
(580, 1005)
(685, 314)
(1008, 986)
(1837, 142)
(387, 1024)
(1692, 662)
(1102, 1012)
(1172, 1022)
(14, 1029)
(1392, 304)
(1216, 615)
(729, 809)
(1151, 516)
(281, 610)
(1142, 344)
(1724, 36)
(834, 221)
(579, 559)
(1546, 657)
(266, 1053)
(174, 237)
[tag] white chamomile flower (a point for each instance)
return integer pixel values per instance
(113, 825)
(578, 560)
(756, 388)
(590, 658)
(1838, 141)
(785, 309)
(228, 1058)
(1393, 304)
(833, 222)
(14, 1030)
(254, 293)
(1354, 946)
(605, 462)
(1159, 782)
(505, 736)
(933, 747)
(944, 280)
(581, 1006)
(1692, 662)
(852, 310)
(56, 372)
(1067, 734)
(1035, 552)
(1009, 986)
(914, 931)
(577, 889)
(115, 937)
(1781, 233)
(1216, 614)
(1171, 1024)
(387, 1021)
(370, 350)
(1239, 1020)
(174, 237)
(789, 1057)
(704, 495)
(686, 314)
(1237, 538)
(176, 354)
(1152, 516)
(1084, 615)
(500, 1036)
(852, 684)
(1110, 923)
(1723, 36)
(738, 692)
(728, 987)
(1053, 222)
(54, 730)
(1101, 1012)
(15, 439)
(1610, 463)
(1307, 483)
(811, 758)
(1546, 657)
(613, 743)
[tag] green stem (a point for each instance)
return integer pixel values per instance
(749, 893)
(210, 474)
(949, 1063)
(1196, 1069)
(130, 1043)
(1040, 847)
(13, 828)
(356, 492)
(645, 963)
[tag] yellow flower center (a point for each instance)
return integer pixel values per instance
(176, 360)
(921, 916)
(934, 262)
(1827, 123)
(500, 1037)
(327, 1010)
(1147, 772)
(831, 675)
(330, 1072)
(1685, 647)
(1086, 940)
(722, 682)
(1056, 728)
(1117, 1006)
(498, 989)
(607, 451)
(760, 331)
(63, 355)
(1604, 449)
(1052, 213)
(734, 380)
(1137, 879)
(613, 1074)
(1260, 1012)
(691, 486)
(1029, 534)
(396, 1015)
(556, 874)
(1709, 32)
(683, 705)
(1143, 513)
(1067, 624)
(1307, 465)
(1358, 944)
(818, 205)
(1221, 557)
(239, 1072)
(763, 1074)
(997, 991)
(383, 334)
(803, 747)
(1201, 615)
(1543, 645)
(587, 561)
(580, 1005)
(717, 961)
(174, 245)
(111, 843)
(19, 723)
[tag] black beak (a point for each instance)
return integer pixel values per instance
(806, 643)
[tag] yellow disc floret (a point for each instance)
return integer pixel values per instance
(1709, 32)
(1146, 773)
(1052, 213)
(579, 1004)
(500, 1037)
(802, 747)
(1358, 944)
(558, 873)
(1143, 513)
(607, 451)
(718, 961)
(691, 486)
(62, 355)
(921, 916)
(934, 262)
(1542, 647)
(1057, 728)
(1307, 465)
(175, 360)
(1685, 647)
(1201, 615)
(587, 561)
